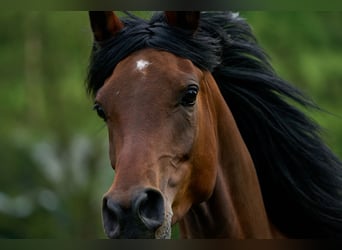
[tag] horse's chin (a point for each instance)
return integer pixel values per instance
(164, 231)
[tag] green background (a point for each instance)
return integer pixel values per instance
(54, 164)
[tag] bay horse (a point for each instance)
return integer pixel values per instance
(204, 133)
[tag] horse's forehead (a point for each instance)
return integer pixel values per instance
(148, 60)
(150, 69)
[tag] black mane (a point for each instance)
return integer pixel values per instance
(300, 178)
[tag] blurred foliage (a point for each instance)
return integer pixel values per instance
(53, 149)
(306, 49)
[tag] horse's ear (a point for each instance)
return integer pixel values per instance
(104, 24)
(183, 19)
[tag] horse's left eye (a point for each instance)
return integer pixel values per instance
(189, 97)
(100, 112)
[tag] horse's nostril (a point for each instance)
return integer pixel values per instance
(149, 206)
(139, 217)
(111, 214)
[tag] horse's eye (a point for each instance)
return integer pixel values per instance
(189, 97)
(100, 112)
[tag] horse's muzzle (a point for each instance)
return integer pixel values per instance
(140, 219)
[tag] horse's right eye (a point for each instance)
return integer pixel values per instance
(189, 97)
(100, 112)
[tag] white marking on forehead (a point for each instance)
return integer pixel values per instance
(142, 64)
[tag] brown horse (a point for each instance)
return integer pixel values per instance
(200, 133)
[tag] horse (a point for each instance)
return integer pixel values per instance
(203, 133)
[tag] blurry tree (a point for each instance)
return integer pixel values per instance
(53, 149)
(306, 50)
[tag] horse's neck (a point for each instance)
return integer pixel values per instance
(236, 208)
